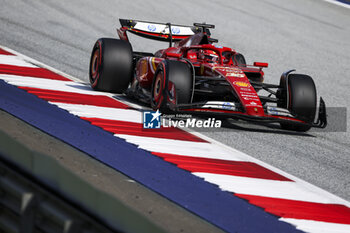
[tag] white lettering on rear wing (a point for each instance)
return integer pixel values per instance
(163, 29)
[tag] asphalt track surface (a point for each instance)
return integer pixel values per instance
(311, 36)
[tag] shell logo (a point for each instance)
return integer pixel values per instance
(241, 84)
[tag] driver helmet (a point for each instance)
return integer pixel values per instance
(208, 55)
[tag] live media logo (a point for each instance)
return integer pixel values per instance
(151, 119)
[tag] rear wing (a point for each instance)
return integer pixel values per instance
(156, 31)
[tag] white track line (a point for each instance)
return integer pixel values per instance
(317, 227)
(310, 187)
(49, 84)
(185, 148)
(15, 61)
(40, 64)
(90, 111)
(265, 188)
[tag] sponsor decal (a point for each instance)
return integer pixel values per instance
(151, 119)
(254, 103)
(278, 111)
(241, 84)
(227, 69)
(218, 46)
(152, 64)
(143, 69)
(152, 27)
(221, 68)
(228, 106)
(250, 98)
(192, 56)
(235, 74)
(175, 30)
(249, 94)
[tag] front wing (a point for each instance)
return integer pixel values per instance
(234, 110)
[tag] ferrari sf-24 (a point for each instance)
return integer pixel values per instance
(195, 75)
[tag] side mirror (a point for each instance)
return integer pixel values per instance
(261, 64)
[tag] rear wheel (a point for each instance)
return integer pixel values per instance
(172, 82)
(298, 95)
(111, 65)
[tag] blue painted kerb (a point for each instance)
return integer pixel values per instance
(224, 210)
(344, 1)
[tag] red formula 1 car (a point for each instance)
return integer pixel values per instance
(195, 75)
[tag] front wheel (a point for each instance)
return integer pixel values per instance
(298, 95)
(172, 83)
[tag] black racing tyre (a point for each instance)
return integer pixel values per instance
(239, 60)
(169, 73)
(111, 66)
(299, 96)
